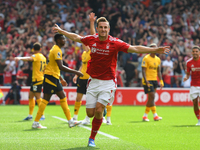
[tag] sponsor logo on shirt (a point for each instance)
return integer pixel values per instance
(100, 51)
(107, 46)
(195, 69)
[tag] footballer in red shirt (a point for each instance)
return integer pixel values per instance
(193, 70)
(101, 84)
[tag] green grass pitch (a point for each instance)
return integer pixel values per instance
(177, 130)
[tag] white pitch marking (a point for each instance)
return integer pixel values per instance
(105, 134)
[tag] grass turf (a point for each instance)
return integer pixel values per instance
(176, 131)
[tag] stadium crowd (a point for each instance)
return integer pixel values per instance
(138, 22)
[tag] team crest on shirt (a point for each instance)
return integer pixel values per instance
(58, 56)
(107, 46)
(93, 50)
(33, 55)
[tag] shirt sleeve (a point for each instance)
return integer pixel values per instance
(58, 55)
(34, 57)
(122, 46)
(188, 68)
(144, 63)
(86, 40)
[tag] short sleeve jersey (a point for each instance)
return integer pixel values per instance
(85, 58)
(193, 66)
(103, 56)
(52, 66)
(151, 64)
(39, 63)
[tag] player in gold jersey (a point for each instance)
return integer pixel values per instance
(82, 83)
(39, 62)
(52, 84)
(151, 69)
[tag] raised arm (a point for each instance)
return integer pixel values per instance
(23, 58)
(144, 49)
(92, 18)
(72, 36)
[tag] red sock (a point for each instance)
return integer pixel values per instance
(96, 123)
(197, 114)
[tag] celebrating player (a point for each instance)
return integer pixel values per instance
(151, 68)
(104, 50)
(193, 69)
(39, 63)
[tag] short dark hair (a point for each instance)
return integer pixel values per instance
(57, 36)
(196, 47)
(37, 46)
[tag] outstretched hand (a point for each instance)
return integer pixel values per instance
(163, 50)
(92, 17)
(56, 28)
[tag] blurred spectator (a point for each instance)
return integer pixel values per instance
(69, 24)
(178, 66)
(13, 96)
(7, 76)
(12, 67)
(3, 51)
(167, 76)
(130, 72)
(2, 66)
(168, 63)
(21, 76)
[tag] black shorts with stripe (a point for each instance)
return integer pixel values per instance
(81, 85)
(151, 88)
(36, 86)
(51, 85)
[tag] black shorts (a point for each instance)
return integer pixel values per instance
(82, 85)
(51, 85)
(153, 85)
(36, 86)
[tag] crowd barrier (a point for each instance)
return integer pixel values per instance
(123, 96)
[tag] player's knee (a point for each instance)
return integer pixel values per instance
(99, 111)
(90, 114)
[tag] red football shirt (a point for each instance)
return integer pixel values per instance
(193, 66)
(103, 56)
